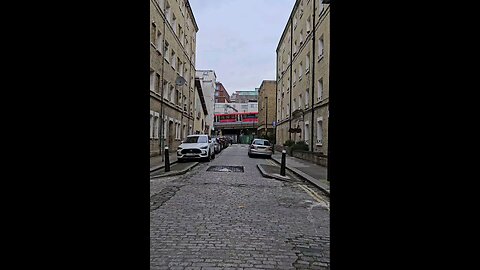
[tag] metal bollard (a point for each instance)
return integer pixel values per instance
(282, 167)
(167, 160)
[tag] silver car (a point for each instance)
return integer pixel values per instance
(260, 147)
(196, 147)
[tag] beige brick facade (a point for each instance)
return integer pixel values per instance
(266, 107)
(303, 75)
(172, 55)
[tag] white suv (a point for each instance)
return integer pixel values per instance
(196, 147)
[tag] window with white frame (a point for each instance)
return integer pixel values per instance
(165, 128)
(307, 63)
(151, 124)
(158, 42)
(165, 89)
(173, 58)
(320, 89)
(167, 11)
(300, 100)
(301, 37)
(300, 71)
(320, 47)
(309, 27)
(161, 3)
(157, 83)
(307, 97)
(157, 126)
(152, 80)
(294, 76)
(320, 7)
(174, 23)
(152, 33)
(171, 94)
(319, 139)
(288, 110)
(295, 47)
(295, 21)
(166, 50)
(307, 132)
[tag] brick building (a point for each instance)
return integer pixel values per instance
(266, 108)
(172, 73)
(221, 94)
(303, 76)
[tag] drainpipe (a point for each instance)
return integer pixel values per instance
(163, 91)
(291, 87)
(313, 78)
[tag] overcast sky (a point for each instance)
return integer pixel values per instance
(238, 39)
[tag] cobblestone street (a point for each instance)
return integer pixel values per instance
(237, 220)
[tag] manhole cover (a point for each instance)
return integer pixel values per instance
(225, 169)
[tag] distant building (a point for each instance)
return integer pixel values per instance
(245, 96)
(266, 108)
(236, 107)
(221, 94)
(208, 80)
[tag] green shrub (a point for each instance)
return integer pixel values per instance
(300, 145)
(288, 143)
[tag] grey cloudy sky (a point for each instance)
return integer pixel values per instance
(238, 39)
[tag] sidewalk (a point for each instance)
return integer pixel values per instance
(156, 162)
(309, 171)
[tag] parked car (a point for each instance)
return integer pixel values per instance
(196, 147)
(217, 145)
(223, 142)
(260, 147)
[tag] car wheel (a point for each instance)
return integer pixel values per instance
(179, 160)
(249, 155)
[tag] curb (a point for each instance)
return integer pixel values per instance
(173, 173)
(268, 175)
(306, 177)
(152, 169)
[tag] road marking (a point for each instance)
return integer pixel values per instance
(315, 196)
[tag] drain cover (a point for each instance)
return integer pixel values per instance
(225, 169)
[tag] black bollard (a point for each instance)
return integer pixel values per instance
(282, 168)
(167, 160)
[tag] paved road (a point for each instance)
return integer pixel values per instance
(235, 220)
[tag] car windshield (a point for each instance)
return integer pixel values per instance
(196, 139)
(261, 142)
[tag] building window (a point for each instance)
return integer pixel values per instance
(320, 7)
(179, 97)
(151, 124)
(166, 50)
(307, 97)
(294, 47)
(320, 89)
(309, 27)
(157, 83)
(158, 42)
(307, 63)
(173, 58)
(300, 71)
(294, 77)
(174, 23)
(152, 34)
(301, 37)
(152, 80)
(300, 100)
(167, 11)
(320, 48)
(319, 140)
(295, 21)
(171, 94)
(165, 89)
(307, 132)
